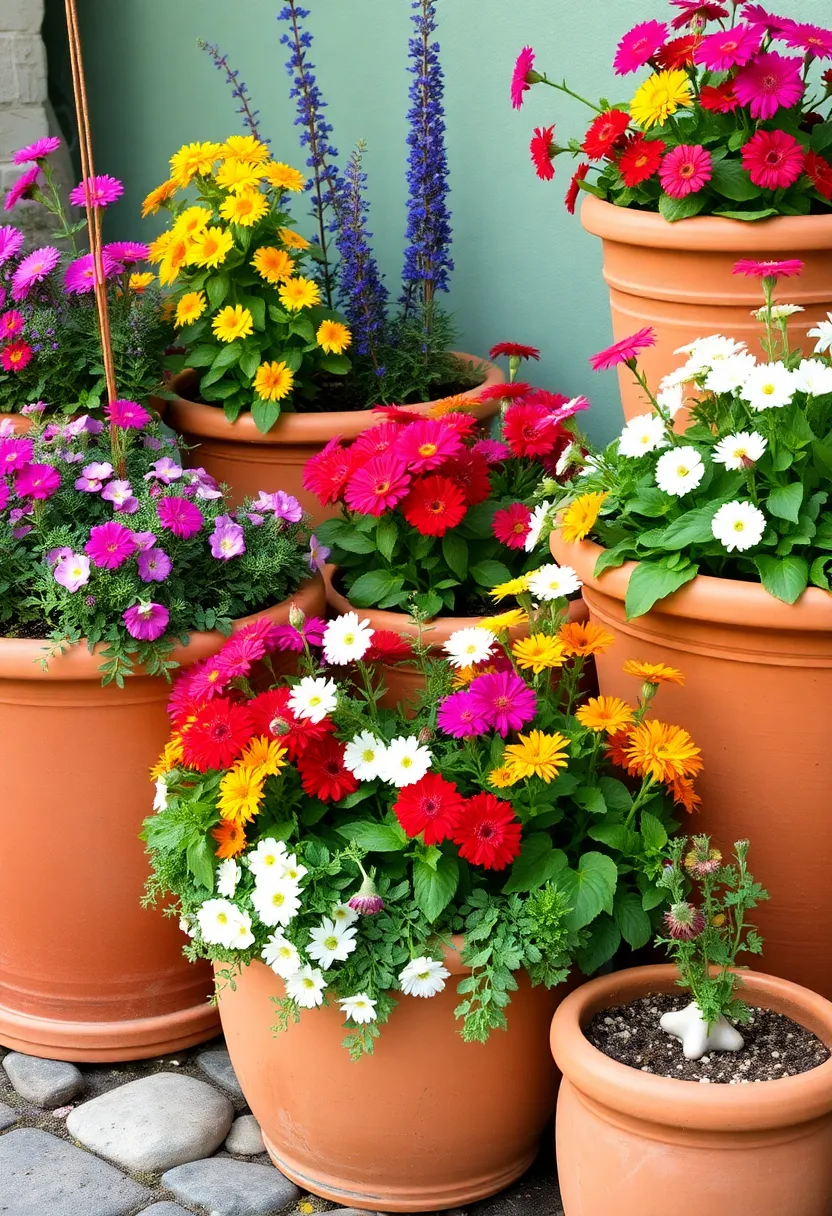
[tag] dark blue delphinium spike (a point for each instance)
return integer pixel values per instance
(361, 290)
(238, 89)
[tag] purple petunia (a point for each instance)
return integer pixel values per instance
(82, 425)
(146, 622)
(504, 700)
(120, 494)
(154, 565)
(283, 505)
(180, 517)
(228, 539)
(318, 553)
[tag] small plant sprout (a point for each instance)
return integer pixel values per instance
(706, 930)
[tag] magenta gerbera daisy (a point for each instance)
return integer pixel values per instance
(625, 351)
(458, 718)
(769, 83)
(181, 517)
(504, 700)
(101, 189)
(768, 270)
(23, 187)
(33, 269)
(728, 48)
(638, 46)
(427, 444)
(685, 170)
(128, 415)
(804, 36)
(379, 485)
(773, 159)
(542, 150)
(755, 14)
(126, 252)
(110, 545)
(11, 239)
(39, 150)
(520, 77)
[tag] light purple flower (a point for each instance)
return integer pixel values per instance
(93, 477)
(154, 565)
(70, 457)
(228, 539)
(56, 555)
(164, 470)
(34, 407)
(256, 519)
(144, 541)
(202, 483)
(120, 494)
(151, 442)
(146, 622)
(73, 572)
(82, 425)
(318, 553)
(285, 506)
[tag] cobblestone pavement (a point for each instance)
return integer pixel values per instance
(165, 1137)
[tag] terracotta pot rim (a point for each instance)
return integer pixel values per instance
(705, 598)
(781, 233)
(19, 657)
(719, 1108)
(209, 421)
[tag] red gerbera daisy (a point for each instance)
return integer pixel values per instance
(504, 392)
(514, 350)
(678, 53)
(379, 485)
(489, 832)
(695, 10)
(605, 134)
(773, 159)
(434, 505)
(819, 172)
(528, 429)
(470, 472)
(575, 187)
(543, 150)
(431, 805)
(271, 716)
(326, 473)
(511, 525)
(720, 98)
(396, 413)
(218, 735)
(640, 159)
(388, 647)
(322, 772)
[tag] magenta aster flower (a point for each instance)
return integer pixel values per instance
(11, 240)
(504, 700)
(318, 553)
(11, 323)
(291, 637)
(15, 454)
(769, 83)
(110, 545)
(180, 517)
(768, 270)
(459, 717)
(625, 351)
(23, 187)
(520, 82)
(128, 415)
(79, 277)
(685, 170)
(72, 571)
(120, 494)
(154, 565)
(164, 470)
(227, 540)
(33, 269)
(755, 14)
(773, 159)
(39, 481)
(146, 622)
(39, 150)
(128, 253)
(101, 189)
(638, 46)
(728, 48)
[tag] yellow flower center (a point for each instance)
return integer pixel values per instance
(427, 449)
(331, 942)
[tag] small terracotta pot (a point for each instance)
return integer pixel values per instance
(248, 461)
(427, 1122)
(678, 279)
(86, 973)
(756, 700)
(21, 423)
(634, 1144)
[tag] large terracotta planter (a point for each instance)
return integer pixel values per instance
(86, 973)
(425, 1123)
(632, 1144)
(248, 461)
(20, 423)
(757, 701)
(678, 278)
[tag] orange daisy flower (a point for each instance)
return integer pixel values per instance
(653, 673)
(609, 714)
(450, 405)
(616, 751)
(662, 752)
(584, 638)
(684, 794)
(230, 838)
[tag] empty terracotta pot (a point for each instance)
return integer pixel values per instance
(239, 455)
(678, 279)
(633, 1144)
(86, 973)
(425, 1123)
(756, 700)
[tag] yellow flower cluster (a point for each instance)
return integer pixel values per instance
(243, 786)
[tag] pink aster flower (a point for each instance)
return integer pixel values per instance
(180, 517)
(33, 269)
(382, 483)
(625, 351)
(227, 540)
(23, 187)
(685, 170)
(728, 48)
(768, 270)
(459, 718)
(38, 481)
(520, 82)
(128, 253)
(504, 700)
(39, 150)
(309, 631)
(696, 11)
(110, 545)
(128, 415)
(11, 240)
(146, 622)
(120, 494)
(79, 277)
(769, 82)
(72, 571)
(493, 450)
(154, 565)
(773, 159)
(638, 46)
(16, 356)
(11, 323)
(102, 190)
(15, 454)
(427, 444)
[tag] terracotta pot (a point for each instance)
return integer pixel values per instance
(425, 1123)
(756, 700)
(678, 278)
(248, 461)
(634, 1144)
(20, 422)
(86, 973)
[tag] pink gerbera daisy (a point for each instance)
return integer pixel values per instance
(514, 350)
(511, 525)
(426, 444)
(102, 190)
(11, 323)
(638, 46)
(23, 187)
(755, 14)
(126, 252)
(685, 170)
(625, 351)
(768, 83)
(379, 485)
(39, 150)
(492, 450)
(458, 717)
(773, 159)
(812, 39)
(542, 150)
(728, 48)
(696, 10)
(768, 270)
(521, 76)
(128, 415)
(33, 269)
(11, 240)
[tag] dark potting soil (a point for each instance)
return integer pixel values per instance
(25, 629)
(775, 1046)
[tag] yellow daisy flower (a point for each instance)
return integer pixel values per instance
(191, 221)
(193, 160)
(154, 200)
(241, 792)
(537, 755)
(503, 777)
(244, 147)
(232, 322)
(292, 239)
(138, 282)
(190, 308)
(244, 209)
(273, 265)
(505, 620)
(661, 95)
(609, 714)
(284, 177)
(238, 175)
(175, 256)
(273, 381)
(333, 337)
(210, 247)
(514, 586)
(578, 520)
(158, 248)
(538, 653)
(170, 758)
(299, 293)
(265, 756)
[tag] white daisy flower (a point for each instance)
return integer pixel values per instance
(281, 956)
(538, 518)
(467, 647)
(160, 801)
(313, 697)
(306, 987)
(671, 396)
(276, 902)
(331, 943)
(739, 451)
(290, 868)
(186, 926)
(823, 332)
(679, 470)
(347, 639)
(768, 386)
(423, 977)
(343, 914)
(219, 921)
(779, 312)
(642, 434)
(266, 857)
(813, 377)
(228, 875)
(405, 761)
(728, 375)
(569, 455)
(738, 525)
(363, 755)
(704, 353)
(553, 582)
(360, 1008)
(242, 936)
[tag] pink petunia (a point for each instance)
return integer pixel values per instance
(120, 494)
(23, 187)
(511, 525)
(128, 415)
(154, 565)
(768, 270)
(11, 240)
(773, 159)
(638, 46)
(227, 540)
(769, 83)
(11, 323)
(728, 48)
(179, 516)
(33, 269)
(685, 170)
(625, 351)
(520, 82)
(101, 190)
(110, 545)
(72, 570)
(39, 150)
(146, 622)
(37, 481)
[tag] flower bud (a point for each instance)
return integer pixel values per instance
(278, 726)
(297, 616)
(426, 735)
(368, 901)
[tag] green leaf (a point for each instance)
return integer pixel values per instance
(368, 589)
(759, 213)
(609, 559)
(336, 365)
(652, 581)
(537, 864)
(433, 890)
(304, 328)
(631, 918)
(216, 289)
(589, 798)
(785, 501)
(604, 940)
(227, 356)
(819, 574)
(202, 355)
(652, 833)
(257, 307)
(249, 362)
(489, 573)
(616, 795)
(783, 577)
(729, 178)
(455, 553)
(589, 889)
(616, 835)
(673, 209)
(355, 542)
(429, 603)
(377, 837)
(653, 897)
(387, 533)
(200, 859)
(265, 414)
(692, 528)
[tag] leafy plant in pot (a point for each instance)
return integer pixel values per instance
(338, 861)
(722, 152)
(744, 1069)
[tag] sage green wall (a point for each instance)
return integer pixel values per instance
(525, 270)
